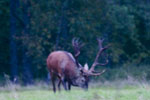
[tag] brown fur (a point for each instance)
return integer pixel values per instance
(62, 65)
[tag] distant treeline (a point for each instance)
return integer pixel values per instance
(31, 29)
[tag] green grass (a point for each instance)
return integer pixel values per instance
(94, 93)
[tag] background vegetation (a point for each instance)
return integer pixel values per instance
(31, 29)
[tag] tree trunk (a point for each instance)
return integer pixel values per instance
(63, 23)
(13, 47)
(27, 75)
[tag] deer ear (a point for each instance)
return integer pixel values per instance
(86, 67)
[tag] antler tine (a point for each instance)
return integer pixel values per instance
(101, 49)
(100, 41)
(74, 44)
(98, 73)
(77, 46)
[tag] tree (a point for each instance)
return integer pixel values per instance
(13, 48)
(63, 23)
(27, 73)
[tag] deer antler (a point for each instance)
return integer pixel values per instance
(96, 63)
(97, 73)
(77, 45)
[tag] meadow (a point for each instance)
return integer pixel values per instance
(118, 90)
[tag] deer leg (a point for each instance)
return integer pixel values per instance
(59, 83)
(53, 83)
(69, 86)
(64, 83)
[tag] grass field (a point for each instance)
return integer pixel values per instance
(95, 92)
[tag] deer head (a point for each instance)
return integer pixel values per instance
(85, 72)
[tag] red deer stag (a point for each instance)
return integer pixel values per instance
(65, 67)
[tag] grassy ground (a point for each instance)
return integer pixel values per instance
(98, 92)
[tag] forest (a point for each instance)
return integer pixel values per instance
(31, 29)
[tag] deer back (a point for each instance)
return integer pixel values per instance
(62, 63)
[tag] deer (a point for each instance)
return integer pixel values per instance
(66, 68)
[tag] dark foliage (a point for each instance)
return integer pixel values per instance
(51, 25)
